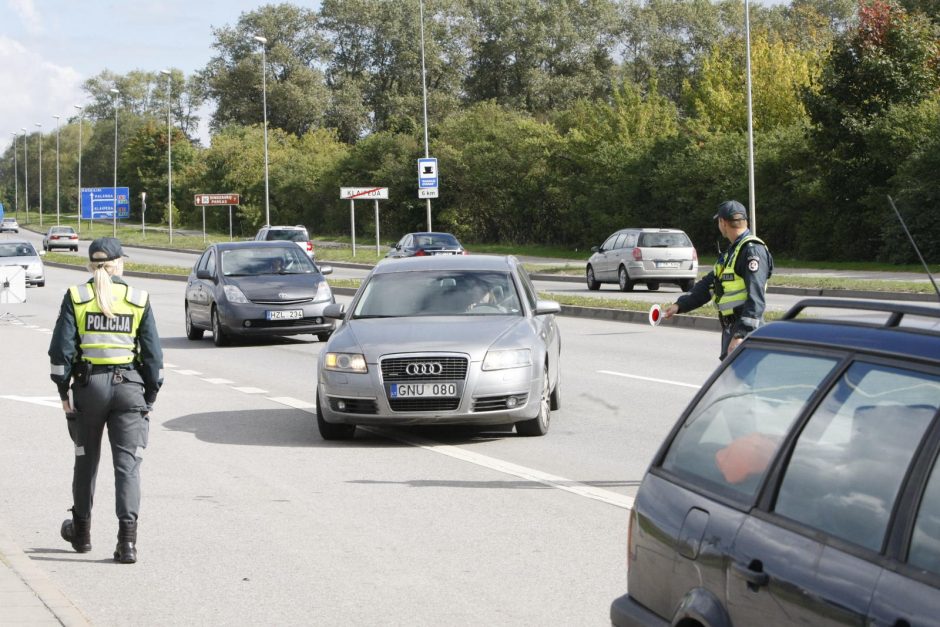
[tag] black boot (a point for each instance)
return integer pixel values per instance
(77, 532)
(126, 550)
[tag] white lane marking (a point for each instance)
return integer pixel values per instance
(45, 401)
(218, 381)
(188, 372)
(296, 403)
(523, 472)
(249, 390)
(636, 376)
(166, 365)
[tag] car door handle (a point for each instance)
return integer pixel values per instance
(755, 578)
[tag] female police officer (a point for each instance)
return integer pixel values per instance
(105, 344)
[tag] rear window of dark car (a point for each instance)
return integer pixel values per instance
(287, 235)
(437, 240)
(664, 240)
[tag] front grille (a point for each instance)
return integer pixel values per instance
(452, 369)
(261, 323)
(296, 301)
(498, 403)
(423, 404)
(354, 405)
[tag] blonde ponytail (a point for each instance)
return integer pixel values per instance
(103, 271)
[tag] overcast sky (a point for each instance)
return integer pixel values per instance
(49, 47)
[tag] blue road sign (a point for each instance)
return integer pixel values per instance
(98, 203)
(1, 210)
(427, 173)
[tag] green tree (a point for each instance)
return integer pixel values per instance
(297, 97)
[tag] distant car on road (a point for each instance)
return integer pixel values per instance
(426, 244)
(441, 340)
(257, 288)
(297, 234)
(9, 224)
(802, 484)
(650, 256)
(21, 253)
(60, 237)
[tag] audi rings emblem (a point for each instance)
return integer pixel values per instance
(424, 368)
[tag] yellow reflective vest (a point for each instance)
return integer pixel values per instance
(108, 341)
(731, 291)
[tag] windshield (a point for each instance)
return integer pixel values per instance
(287, 235)
(664, 240)
(436, 240)
(19, 249)
(267, 260)
(438, 293)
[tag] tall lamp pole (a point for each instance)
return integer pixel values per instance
(424, 91)
(114, 93)
(264, 103)
(26, 169)
(750, 123)
(169, 155)
(56, 169)
(16, 180)
(81, 123)
(40, 173)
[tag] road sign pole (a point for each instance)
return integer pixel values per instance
(230, 238)
(203, 224)
(143, 214)
(352, 221)
(377, 253)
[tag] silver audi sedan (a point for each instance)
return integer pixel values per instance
(441, 340)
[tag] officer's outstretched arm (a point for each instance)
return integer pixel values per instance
(63, 348)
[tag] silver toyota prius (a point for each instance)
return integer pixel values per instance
(441, 340)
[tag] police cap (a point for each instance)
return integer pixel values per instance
(105, 249)
(731, 210)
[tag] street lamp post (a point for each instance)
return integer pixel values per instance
(40, 173)
(264, 104)
(114, 191)
(750, 123)
(26, 169)
(16, 180)
(424, 91)
(81, 123)
(169, 155)
(56, 169)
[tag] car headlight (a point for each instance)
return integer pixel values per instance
(502, 359)
(346, 362)
(323, 292)
(234, 295)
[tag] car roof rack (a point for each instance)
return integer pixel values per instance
(897, 310)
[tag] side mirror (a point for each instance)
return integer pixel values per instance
(42, 253)
(326, 269)
(337, 311)
(544, 307)
(595, 249)
(203, 274)
(397, 246)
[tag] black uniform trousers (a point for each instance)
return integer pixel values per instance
(112, 397)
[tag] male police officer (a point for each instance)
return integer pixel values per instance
(106, 341)
(736, 283)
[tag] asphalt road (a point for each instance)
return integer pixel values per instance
(250, 518)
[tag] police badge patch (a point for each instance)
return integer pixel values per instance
(753, 264)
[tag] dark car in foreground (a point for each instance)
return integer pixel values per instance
(441, 340)
(426, 244)
(802, 483)
(257, 288)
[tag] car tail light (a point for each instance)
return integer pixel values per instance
(694, 255)
(465, 252)
(637, 254)
(420, 253)
(309, 247)
(631, 552)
